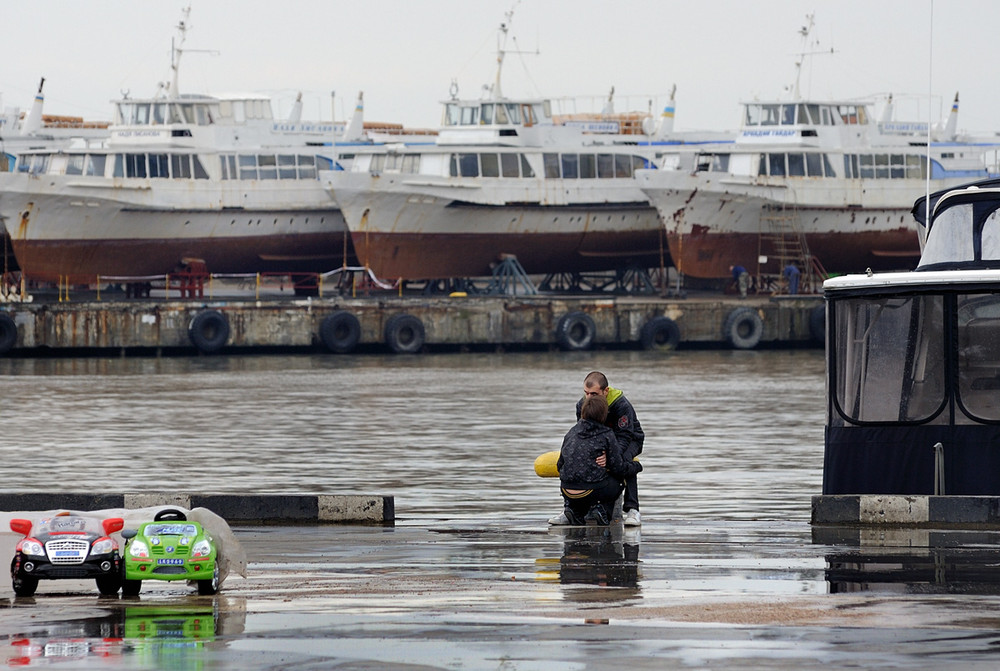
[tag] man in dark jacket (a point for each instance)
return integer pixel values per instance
(623, 421)
(590, 490)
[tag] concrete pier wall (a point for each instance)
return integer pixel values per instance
(473, 321)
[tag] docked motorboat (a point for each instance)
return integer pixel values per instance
(913, 360)
(506, 178)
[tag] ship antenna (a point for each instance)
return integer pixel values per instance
(177, 49)
(805, 31)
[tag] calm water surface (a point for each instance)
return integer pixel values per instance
(729, 434)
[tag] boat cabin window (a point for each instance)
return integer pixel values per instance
(509, 165)
(264, 166)
(451, 115)
(514, 114)
(33, 164)
(852, 115)
(490, 165)
(884, 166)
(979, 355)
(952, 237)
(74, 164)
(95, 165)
(486, 114)
(469, 115)
(889, 362)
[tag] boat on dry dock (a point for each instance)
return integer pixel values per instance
(183, 179)
(818, 182)
(507, 177)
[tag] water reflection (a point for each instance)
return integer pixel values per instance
(912, 561)
(598, 556)
(159, 635)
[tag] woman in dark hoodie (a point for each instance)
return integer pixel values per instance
(589, 489)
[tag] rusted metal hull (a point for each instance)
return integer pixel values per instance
(79, 230)
(848, 225)
(426, 232)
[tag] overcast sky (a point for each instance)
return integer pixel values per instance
(404, 53)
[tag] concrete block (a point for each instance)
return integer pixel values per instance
(964, 509)
(893, 509)
(150, 499)
(835, 509)
(357, 508)
(272, 508)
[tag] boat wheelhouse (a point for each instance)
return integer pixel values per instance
(913, 360)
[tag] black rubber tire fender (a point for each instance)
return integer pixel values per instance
(661, 334)
(8, 333)
(404, 334)
(340, 332)
(209, 331)
(817, 324)
(575, 331)
(743, 328)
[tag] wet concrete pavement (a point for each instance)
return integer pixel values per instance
(519, 595)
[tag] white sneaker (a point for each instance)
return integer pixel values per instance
(632, 519)
(559, 520)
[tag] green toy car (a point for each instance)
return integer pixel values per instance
(171, 547)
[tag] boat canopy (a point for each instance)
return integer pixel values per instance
(963, 231)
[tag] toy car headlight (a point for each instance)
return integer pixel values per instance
(138, 549)
(201, 549)
(30, 546)
(102, 546)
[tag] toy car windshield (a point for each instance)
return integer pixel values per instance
(67, 523)
(171, 530)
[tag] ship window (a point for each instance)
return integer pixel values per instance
(141, 117)
(119, 169)
(199, 169)
(588, 166)
(74, 164)
(623, 166)
(897, 168)
(605, 166)
(490, 165)
(502, 115)
(508, 165)
(486, 114)
(979, 355)
(95, 164)
(770, 115)
(814, 165)
(788, 115)
(570, 166)
(889, 361)
(529, 117)
(202, 116)
(881, 166)
(949, 238)
(180, 166)
(551, 162)
(451, 114)
(159, 113)
(159, 165)
(796, 165)
(469, 115)
(776, 165)
(866, 166)
(411, 164)
(915, 166)
(720, 163)
(990, 247)
(753, 115)
(514, 113)
(135, 165)
(307, 167)
(248, 166)
(526, 169)
(468, 165)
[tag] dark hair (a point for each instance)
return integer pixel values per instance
(596, 378)
(594, 408)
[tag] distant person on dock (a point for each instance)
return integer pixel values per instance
(791, 274)
(742, 279)
(591, 468)
(621, 419)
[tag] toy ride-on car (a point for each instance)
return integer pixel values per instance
(67, 545)
(171, 547)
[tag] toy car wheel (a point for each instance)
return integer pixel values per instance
(25, 586)
(131, 587)
(209, 587)
(109, 584)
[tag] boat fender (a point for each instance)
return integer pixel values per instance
(404, 334)
(8, 333)
(743, 328)
(340, 332)
(817, 324)
(575, 331)
(546, 465)
(660, 333)
(209, 331)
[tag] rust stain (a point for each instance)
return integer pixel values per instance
(22, 226)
